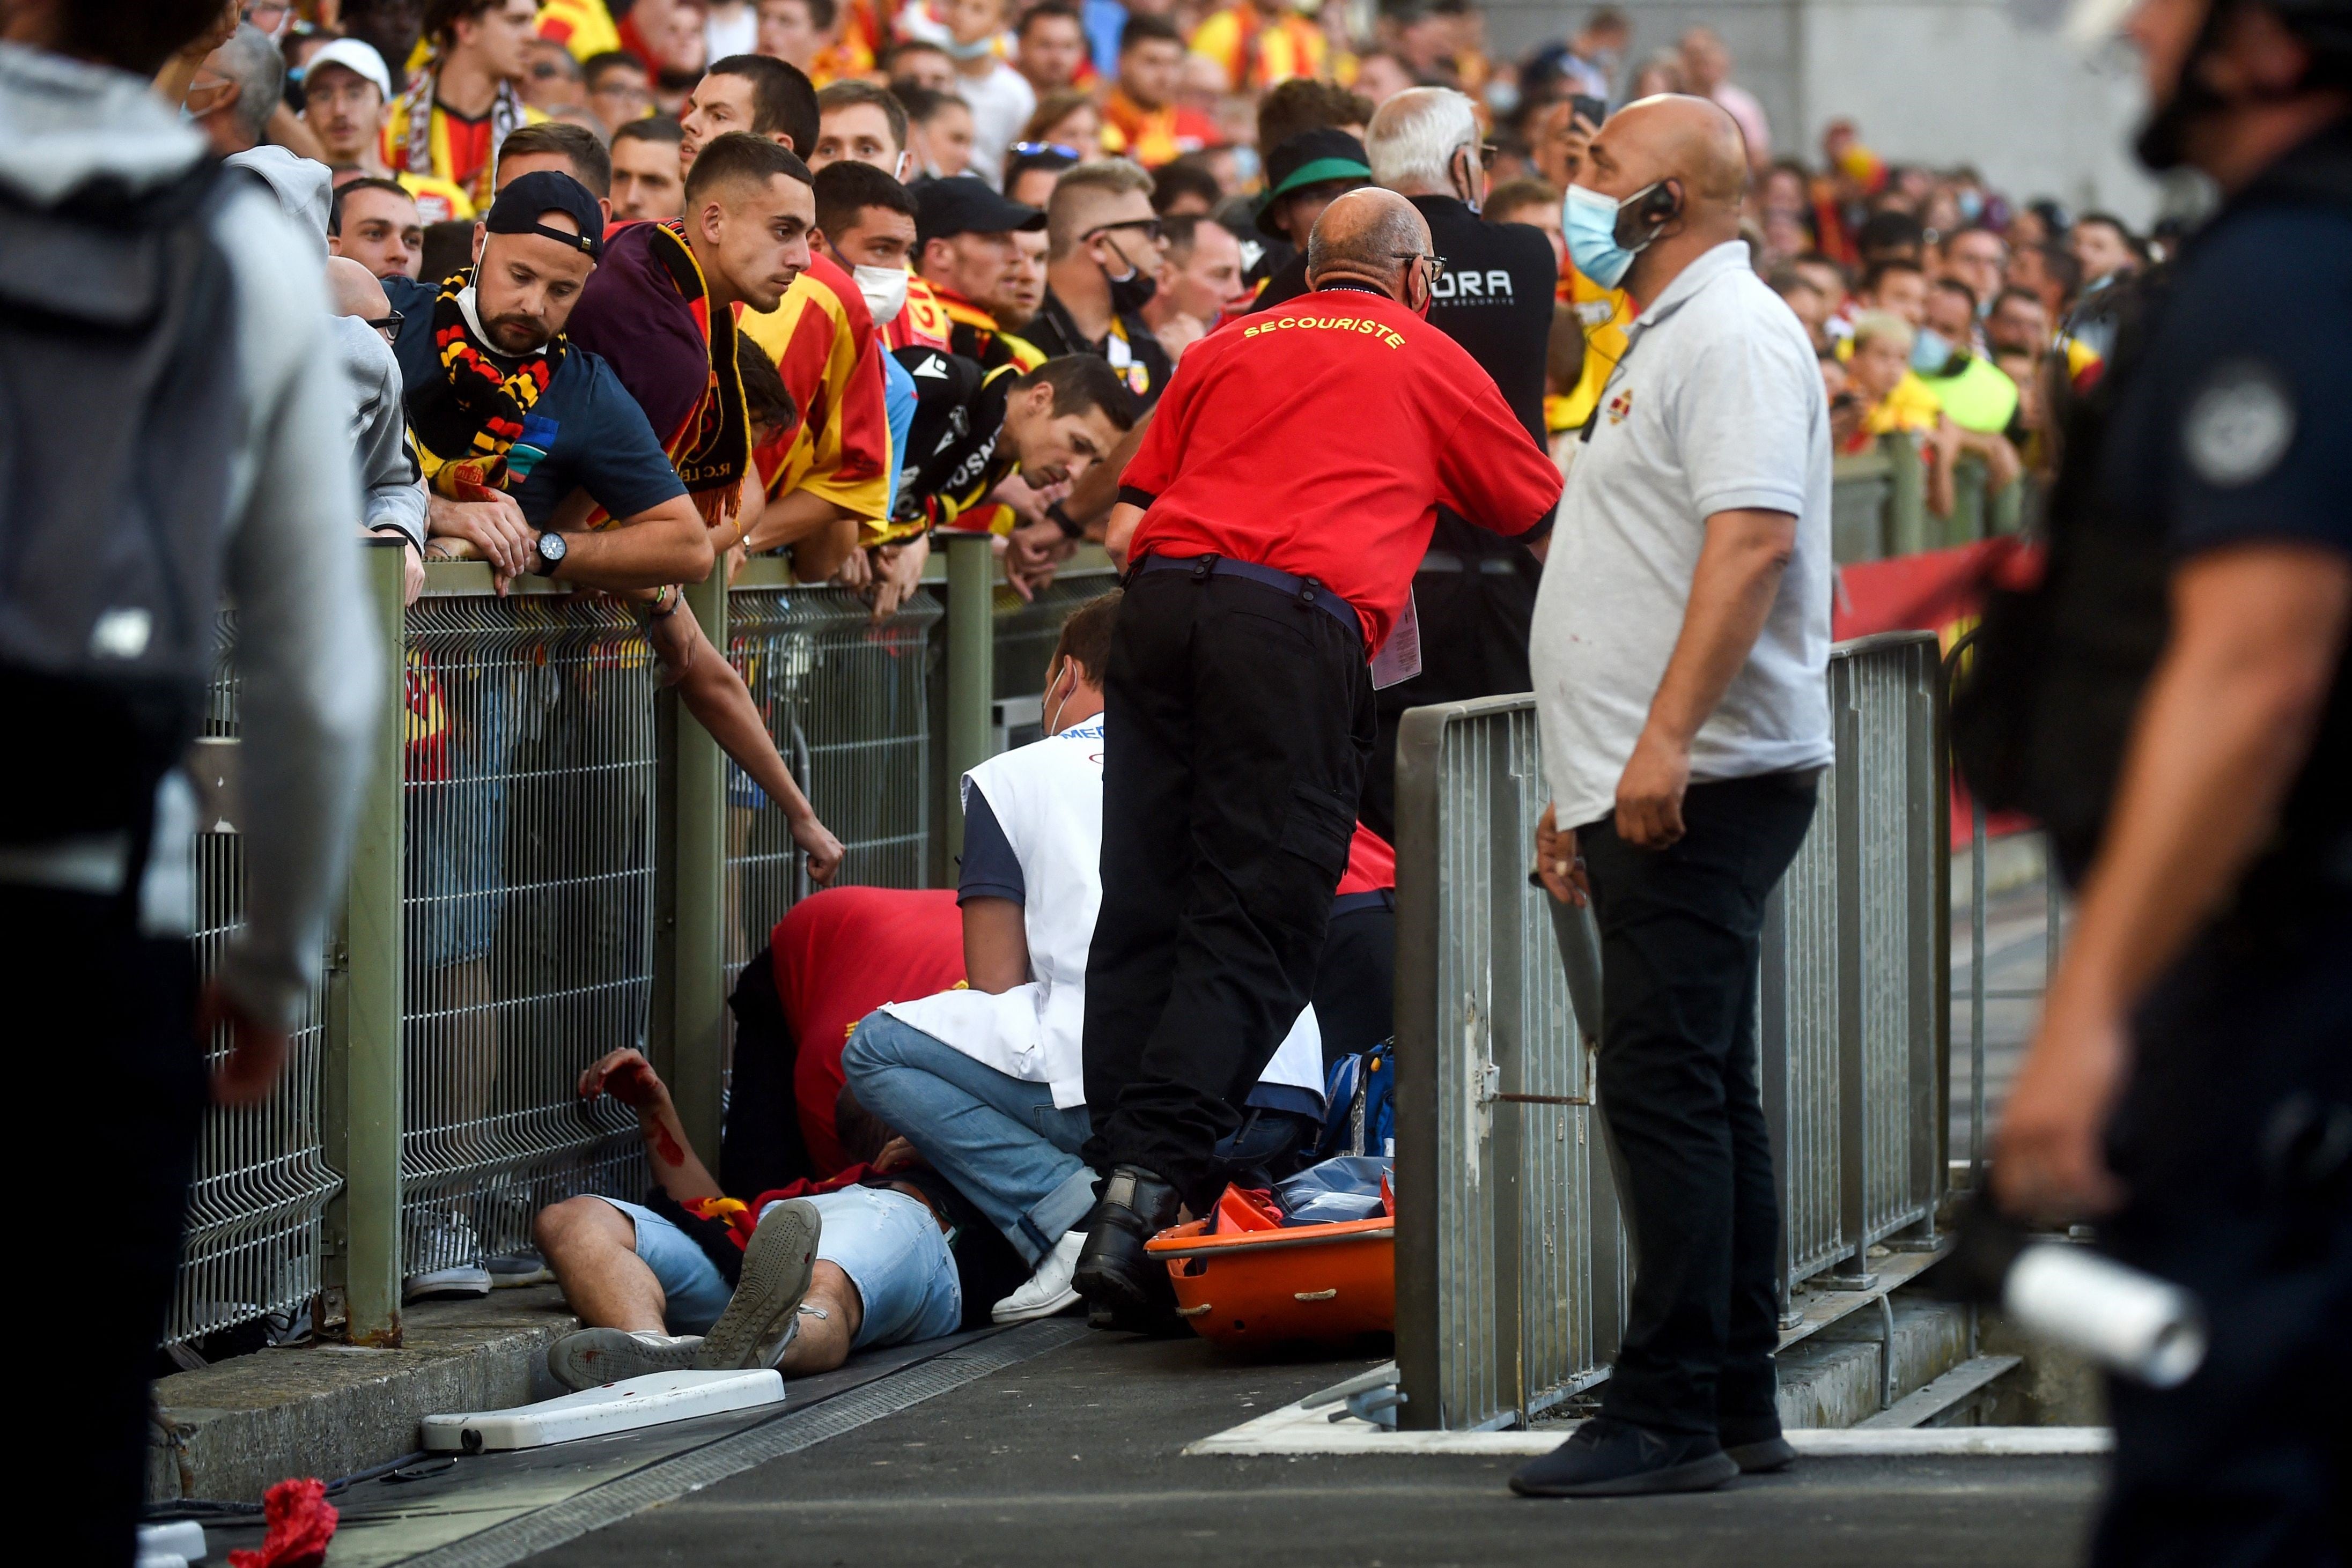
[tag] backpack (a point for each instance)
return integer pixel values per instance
(120, 416)
(1360, 1101)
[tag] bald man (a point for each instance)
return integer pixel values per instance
(1273, 517)
(1680, 651)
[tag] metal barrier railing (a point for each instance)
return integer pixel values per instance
(1878, 504)
(547, 868)
(528, 798)
(1511, 1263)
(846, 700)
(256, 1205)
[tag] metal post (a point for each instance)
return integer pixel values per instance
(360, 1095)
(1976, 994)
(972, 662)
(695, 849)
(1907, 505)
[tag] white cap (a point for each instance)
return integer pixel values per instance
(360, 59)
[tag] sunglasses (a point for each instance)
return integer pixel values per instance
(1153, 229)
(1043, 149)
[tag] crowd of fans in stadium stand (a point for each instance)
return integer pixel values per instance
(940, 264)
(1936, 300)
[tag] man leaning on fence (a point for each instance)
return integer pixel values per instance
(1680, 650)
(206, 451)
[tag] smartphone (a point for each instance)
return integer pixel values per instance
(1590, 109)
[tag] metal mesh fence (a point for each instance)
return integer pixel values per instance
(527, 902)
(261, 1181)
(847, 701)
(1026, 630)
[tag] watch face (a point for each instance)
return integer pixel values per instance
(551, 546)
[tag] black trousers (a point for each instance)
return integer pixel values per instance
(1238, 721)
(1473, 644)
(1680, 932)
(1355, 984)
(105, 1020)
(2230, 1141)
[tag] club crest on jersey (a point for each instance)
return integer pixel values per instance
(1621, 405)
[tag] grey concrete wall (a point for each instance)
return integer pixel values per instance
(1987, 82)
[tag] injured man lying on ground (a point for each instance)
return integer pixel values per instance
(886, 1253)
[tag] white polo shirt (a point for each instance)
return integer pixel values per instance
(1716, 405)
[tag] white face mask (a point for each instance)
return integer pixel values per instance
(885, 288)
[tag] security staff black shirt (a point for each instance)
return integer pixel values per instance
(1129, 346)
(1496, 301)
(2231, 430)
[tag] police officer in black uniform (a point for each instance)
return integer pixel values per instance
(1476, 592)
(2175, 701)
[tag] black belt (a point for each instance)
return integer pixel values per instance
(1306, 589)
(1486, 565)
(1353, 902)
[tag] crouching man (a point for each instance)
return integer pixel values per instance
(890, 1255)
(987, 1083)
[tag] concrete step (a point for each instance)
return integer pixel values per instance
(230, 1431)
(1835, 1377)
(1947, 1400)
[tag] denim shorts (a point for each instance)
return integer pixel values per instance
(887, 1243)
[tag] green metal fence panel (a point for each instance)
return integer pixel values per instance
(847, 701)
(261, 1182)
(529, 799)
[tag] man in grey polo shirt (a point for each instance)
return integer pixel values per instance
(1680, 645)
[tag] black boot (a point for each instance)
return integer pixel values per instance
(1124, 1286)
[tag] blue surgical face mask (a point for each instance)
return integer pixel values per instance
(956, 51)
(1590, 219)
(1929, 352)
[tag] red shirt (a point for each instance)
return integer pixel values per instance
(1320, 438)
(841, 953)
(1372, 864)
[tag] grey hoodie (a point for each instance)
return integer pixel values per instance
(306, 654)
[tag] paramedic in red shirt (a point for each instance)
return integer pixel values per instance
(1275, 514)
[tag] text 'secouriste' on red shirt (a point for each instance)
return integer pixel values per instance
(1320, 437)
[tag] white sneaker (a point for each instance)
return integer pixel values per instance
(452, 1254)
(590, 1358)
(1049, 1290)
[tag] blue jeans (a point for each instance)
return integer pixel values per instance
(1000, 1141)
(887, 1243)
(997, 1139)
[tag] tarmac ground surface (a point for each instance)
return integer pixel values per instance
(1075, 1458)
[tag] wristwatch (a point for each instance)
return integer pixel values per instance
(549, 550)
(1070, 526)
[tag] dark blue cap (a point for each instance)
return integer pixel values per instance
(519, 208)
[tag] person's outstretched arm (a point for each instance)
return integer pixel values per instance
(714, 693)
(628, 1077)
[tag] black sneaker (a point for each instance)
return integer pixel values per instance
(1754, 1443)
(1607, 1457)
(1123, 1285)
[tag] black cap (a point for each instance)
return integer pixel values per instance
(1310, 157)
(965, 205)
(517, 211)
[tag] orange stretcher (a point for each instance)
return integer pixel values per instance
(1241, 1278)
